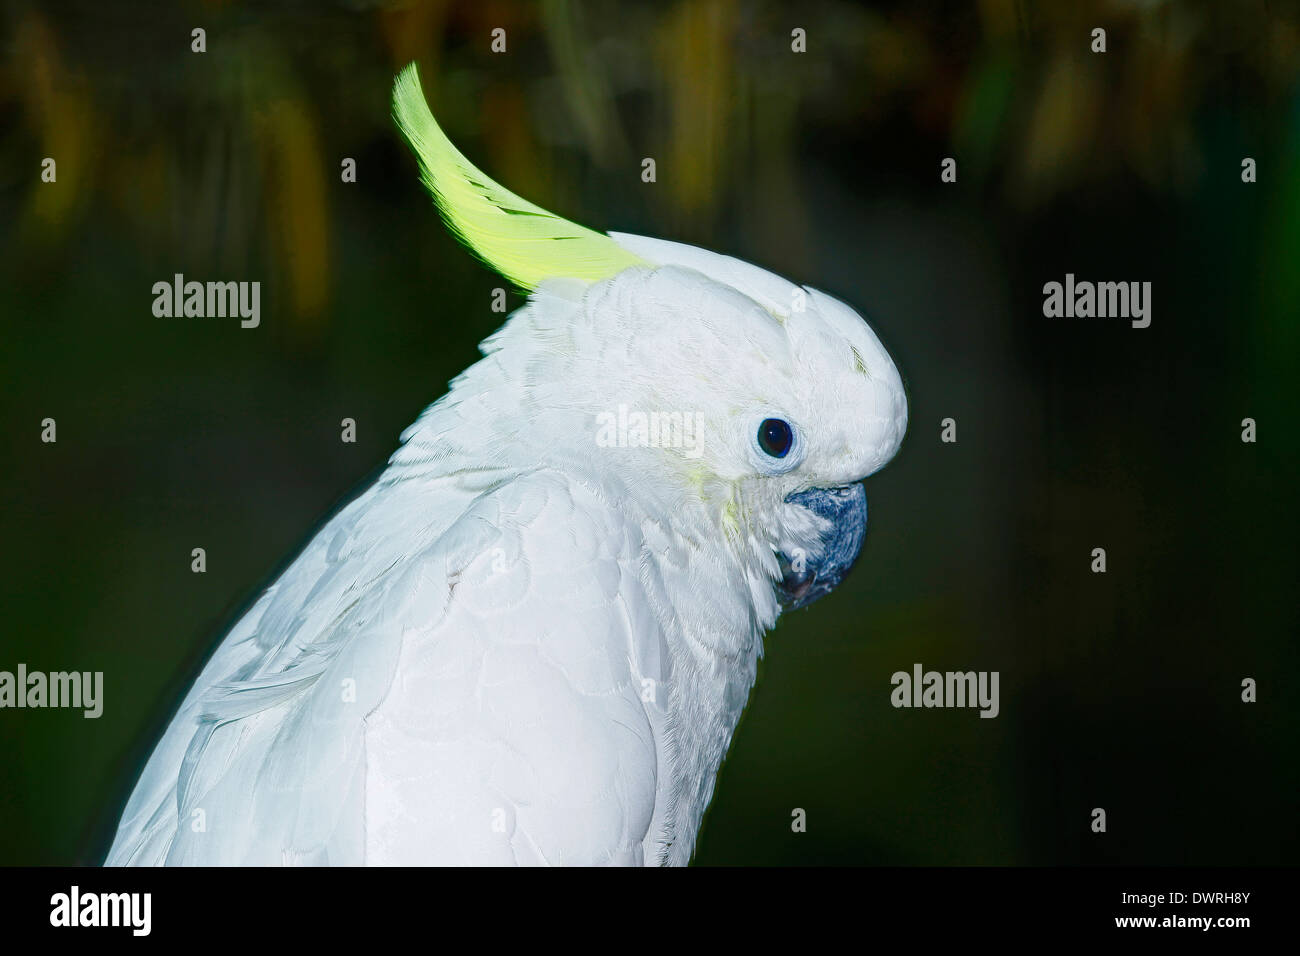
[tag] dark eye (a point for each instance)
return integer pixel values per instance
(775, 437)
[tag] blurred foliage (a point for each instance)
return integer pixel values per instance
(1118, 690)
(246, 136)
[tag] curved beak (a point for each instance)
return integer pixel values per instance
(806, 578)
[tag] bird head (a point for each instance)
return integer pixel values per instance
(713, 390)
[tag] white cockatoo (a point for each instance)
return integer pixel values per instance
(530, 641)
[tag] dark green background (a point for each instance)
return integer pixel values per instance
(1118, 690)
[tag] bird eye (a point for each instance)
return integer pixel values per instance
(775, 437)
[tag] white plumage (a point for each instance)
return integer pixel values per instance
(520, 646)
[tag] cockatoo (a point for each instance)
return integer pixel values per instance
(530, 641)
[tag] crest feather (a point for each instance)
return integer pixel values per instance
(523, 242)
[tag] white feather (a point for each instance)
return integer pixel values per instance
(519, 646)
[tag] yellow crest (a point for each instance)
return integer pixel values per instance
(523, 242)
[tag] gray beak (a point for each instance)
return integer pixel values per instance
(805, 580)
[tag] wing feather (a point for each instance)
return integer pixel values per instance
(462, 688)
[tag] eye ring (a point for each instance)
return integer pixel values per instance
(775, 437)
